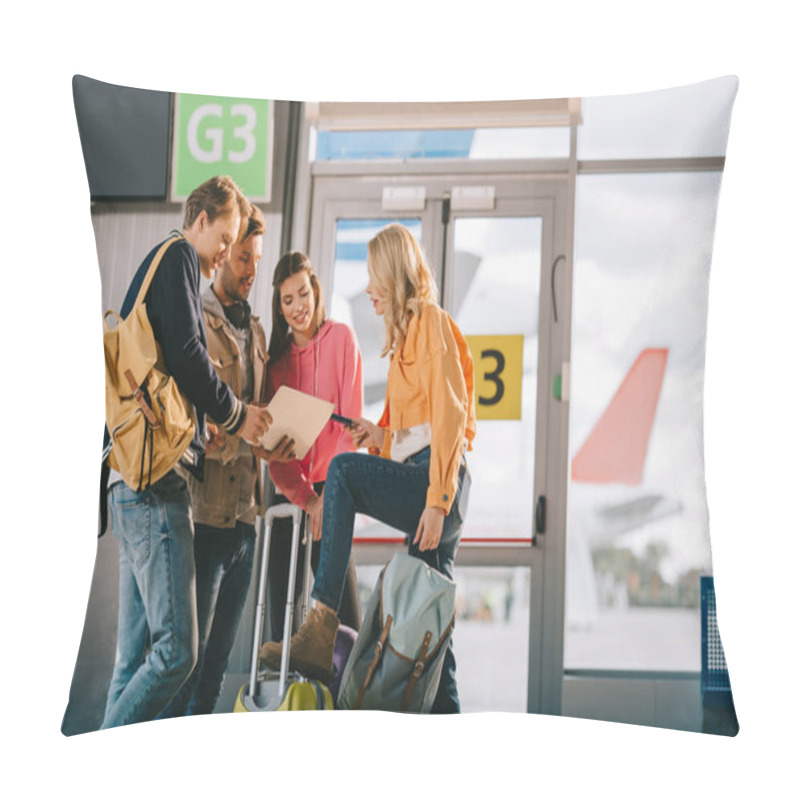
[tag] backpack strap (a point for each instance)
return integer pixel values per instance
(418, 667)
(153, 267)
(139, 397)
(374, 663)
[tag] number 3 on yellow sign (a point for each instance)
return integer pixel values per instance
(498, 375)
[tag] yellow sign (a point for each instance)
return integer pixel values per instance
(498, 375)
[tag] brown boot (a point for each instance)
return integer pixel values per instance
(311, 648)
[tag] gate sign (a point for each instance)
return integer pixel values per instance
(222, 136)
(498, 375)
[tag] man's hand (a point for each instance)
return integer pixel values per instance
(366, 434)
(429, 530)
(216, 438)
(256, 424)
(283, 451)
(314, 508)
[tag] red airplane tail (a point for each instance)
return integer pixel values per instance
(616, 448)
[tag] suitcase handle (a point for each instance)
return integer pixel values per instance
(308, 543)
(280, 511)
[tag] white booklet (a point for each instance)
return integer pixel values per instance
(299, 416)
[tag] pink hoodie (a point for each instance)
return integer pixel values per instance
(328, 367)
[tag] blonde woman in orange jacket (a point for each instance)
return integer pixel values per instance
(415, 476)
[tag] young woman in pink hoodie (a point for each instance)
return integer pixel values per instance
(320, 357)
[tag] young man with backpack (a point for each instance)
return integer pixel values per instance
(157, 602)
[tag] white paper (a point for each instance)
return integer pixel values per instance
(299, 416)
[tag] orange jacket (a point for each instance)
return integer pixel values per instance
(431, 380)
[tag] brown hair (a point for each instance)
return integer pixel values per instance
(253, 224)
(397, 265)
(290, 264)
(218, 196)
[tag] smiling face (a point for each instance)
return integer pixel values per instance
(213, 240)
(298, 305)
(235, 277)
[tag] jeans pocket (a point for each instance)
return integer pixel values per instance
(130, 519)
(172, 486)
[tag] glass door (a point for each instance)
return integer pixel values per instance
(494, 276)
(492, 264)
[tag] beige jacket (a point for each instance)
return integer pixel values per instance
(231, 472)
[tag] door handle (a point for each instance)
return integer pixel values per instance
(553, 284)
(541, 517)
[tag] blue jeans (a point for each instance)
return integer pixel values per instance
(156, 599)
(395, 494)
(224, 563)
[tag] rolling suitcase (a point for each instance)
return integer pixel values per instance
(266, 689)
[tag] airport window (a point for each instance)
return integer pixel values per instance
(635, 546)
(674, 123)
(476, 143)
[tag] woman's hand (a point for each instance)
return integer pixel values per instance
(283, 451)
(429, 530)
(366, 434)
(314, 508)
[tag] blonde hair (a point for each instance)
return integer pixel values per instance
(397, 266)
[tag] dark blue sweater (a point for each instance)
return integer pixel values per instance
(175, 310)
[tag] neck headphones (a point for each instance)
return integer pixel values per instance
(238, 314)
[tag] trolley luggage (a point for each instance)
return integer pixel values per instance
(268, 690)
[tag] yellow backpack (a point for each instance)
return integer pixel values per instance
(150, 422)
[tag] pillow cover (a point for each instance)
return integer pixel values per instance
(578, 271)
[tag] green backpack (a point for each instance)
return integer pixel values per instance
(397, 658)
